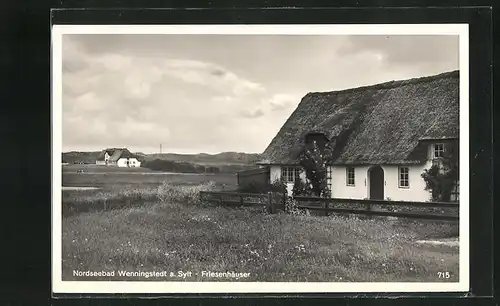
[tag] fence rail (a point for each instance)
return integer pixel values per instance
(276, 201)
(228, 198)
(379, 202)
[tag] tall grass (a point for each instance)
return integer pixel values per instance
(168, 192)
(173, 236)
(131, 196)
(165, 229)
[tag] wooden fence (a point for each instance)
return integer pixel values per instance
(275, 201)
(259, 176)
(272, 201)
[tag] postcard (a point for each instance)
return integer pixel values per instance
(260, 158)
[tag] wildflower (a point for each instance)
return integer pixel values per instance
(300, 248)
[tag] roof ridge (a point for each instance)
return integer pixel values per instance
(392, 84)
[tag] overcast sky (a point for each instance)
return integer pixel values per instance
(216, 93)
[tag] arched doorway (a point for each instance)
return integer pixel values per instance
(376, 183)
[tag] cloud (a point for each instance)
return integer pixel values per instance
(405, 50)
(141, 101)
(192, 95)
(283, 101)
(252, 114)
(210, 75)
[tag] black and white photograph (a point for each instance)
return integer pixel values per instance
(260, 159)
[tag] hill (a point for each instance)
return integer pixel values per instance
(75, 157)
(228, 158)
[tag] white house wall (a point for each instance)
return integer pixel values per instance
(275, 173)
(340, 188)
(416, 190)
(360, 190)
(133, 162)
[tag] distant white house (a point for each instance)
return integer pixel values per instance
(120, 157)
(383, 137)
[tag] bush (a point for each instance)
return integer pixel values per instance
(212, 169)
(442, 177)
(278, 186)
(315, 160)
(291, 207)
(254, 187)
(179, 167)
(301, 189)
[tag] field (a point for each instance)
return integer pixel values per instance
(169, 230)
(105, 177)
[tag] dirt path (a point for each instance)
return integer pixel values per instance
(451, 242)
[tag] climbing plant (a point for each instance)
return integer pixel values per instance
(441, 178)
(315, 162)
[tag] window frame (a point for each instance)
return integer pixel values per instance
(435, 150)
(290, 173)
(401, 179)
(348, 177)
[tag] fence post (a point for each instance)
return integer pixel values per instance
(325, 207)
(369, 209)
(271, 203)
(241, 200)
(220, 200)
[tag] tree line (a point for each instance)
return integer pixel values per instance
(179, 167)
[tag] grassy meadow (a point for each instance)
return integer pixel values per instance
(162, 226)
(104, 177)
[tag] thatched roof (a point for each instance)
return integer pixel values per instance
(379, 124)
(115, 154)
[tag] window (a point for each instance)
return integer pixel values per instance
(290, 174)
(404, 178)
(350, 179)
(455, 192)
(438, 150)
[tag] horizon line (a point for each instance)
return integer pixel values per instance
(221, 152)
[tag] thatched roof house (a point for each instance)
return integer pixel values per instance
(393, 128)
(117, 156)
(379, 124)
